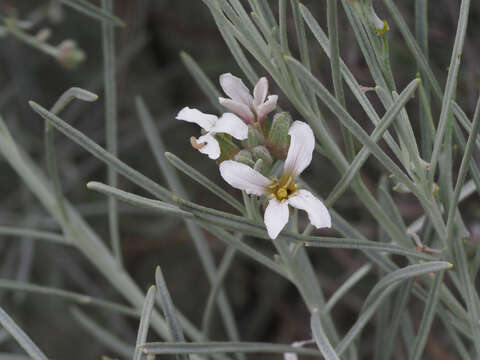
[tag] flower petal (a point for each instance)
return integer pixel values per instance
(243, 177)
(238, 108)
(316, 210)
(302, 144)
(231, 124)
(235, 88)
(267, 107)
(207, 144)
(206, 121)
(260, 91)
(276, 217)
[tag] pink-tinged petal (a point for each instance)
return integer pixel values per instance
(267, 107)
(276, 217)
(231, 124)
(302, 144)
(316, 210)
(238, 108)
(206, 121)
(243, 177)
(260, 91)
(235, 88)
(207, 144)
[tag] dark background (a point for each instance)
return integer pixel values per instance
(266, 307)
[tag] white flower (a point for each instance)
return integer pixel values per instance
(228, 123)
(242, 103)
(284, 191)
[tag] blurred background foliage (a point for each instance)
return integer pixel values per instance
(267, 307)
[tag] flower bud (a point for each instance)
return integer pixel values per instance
(401, 188)
(255, 137)
(69, 54)
(278, 140)
(245, 157)
(227, 147)
(43, 34)
(365, 9)
(259, 166)
(262, 153)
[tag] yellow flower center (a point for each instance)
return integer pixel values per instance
(282, 189)
(281, 194)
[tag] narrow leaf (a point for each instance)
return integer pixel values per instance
(18, 334)
(144, 322)
(93, 11)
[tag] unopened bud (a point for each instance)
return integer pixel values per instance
(278, 140)
(43, 35)
(259, 166)
(255, 138)
(245, 157)
(401, 188)
(69, 54)
(262, 153)
(365, 9)
(227, 147)
(382, 27)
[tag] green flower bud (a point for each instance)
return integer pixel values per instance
(401, 188)
(365, 9)
(262, 153)
(259, 166)
(245, 157)
(278, 139)
(69, 54)
(227, 147)
(255, 137)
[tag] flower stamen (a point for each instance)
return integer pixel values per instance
(282, 190)
(281, 194)
(196, 145)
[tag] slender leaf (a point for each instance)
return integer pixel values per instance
(80, 299)
(19, 335)
(204, 181)
(376, 135)
(321, 338)
(144, 321)
(427, 319)
(224, 347)
(33, 234)
(346, 286)
(102, 335)
(93, 11)
(110, 83)
(166, 302)
(225, 265)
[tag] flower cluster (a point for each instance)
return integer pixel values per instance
(248, 166)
